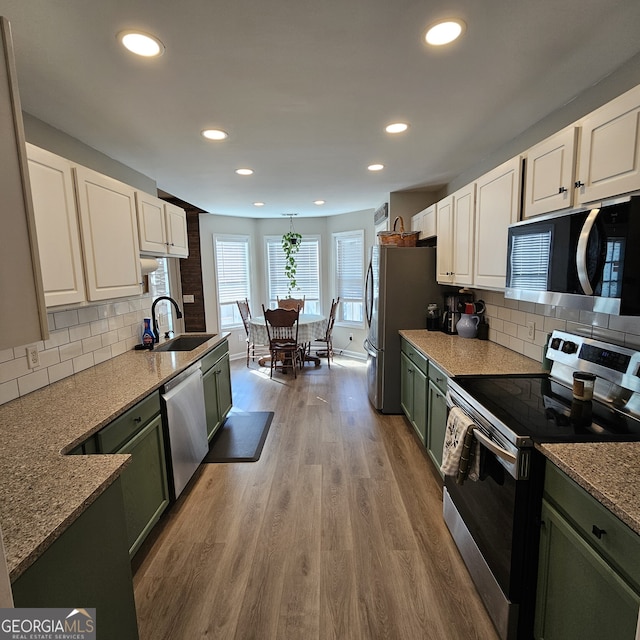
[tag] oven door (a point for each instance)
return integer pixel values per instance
(495, 522)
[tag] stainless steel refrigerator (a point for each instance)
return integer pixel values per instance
(401, 282)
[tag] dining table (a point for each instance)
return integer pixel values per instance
(311, 326)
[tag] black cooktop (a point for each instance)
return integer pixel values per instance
(543, 409)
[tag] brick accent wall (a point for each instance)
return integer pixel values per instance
(191, 269)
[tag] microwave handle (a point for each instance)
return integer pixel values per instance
(581, 252)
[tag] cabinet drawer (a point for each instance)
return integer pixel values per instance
(437, 376)
(415, 356)
(616, 541)
(213, 356)
(111, 438)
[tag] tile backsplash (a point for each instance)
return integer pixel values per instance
(79, 338)
(509, 324)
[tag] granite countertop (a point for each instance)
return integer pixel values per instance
(609, 471)
(43, 490)
(458, 356)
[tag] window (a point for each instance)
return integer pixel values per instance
(307, 272)
(348, 250)
(232, 275)
(159, 285)
(530, 260)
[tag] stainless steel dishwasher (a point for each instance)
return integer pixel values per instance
(183, 399)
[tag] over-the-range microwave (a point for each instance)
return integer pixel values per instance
(587, 260)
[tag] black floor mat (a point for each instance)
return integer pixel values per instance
(241, 437)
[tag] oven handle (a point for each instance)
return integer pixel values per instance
(494, 448)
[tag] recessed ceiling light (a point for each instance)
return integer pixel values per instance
(244, 172)
(142, 44)
(444, 32)
(396, 127)
(319, 202)
(215, 134)
(258, 204)
(375, 167)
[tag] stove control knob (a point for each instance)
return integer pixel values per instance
(569, 347)
(555, 343)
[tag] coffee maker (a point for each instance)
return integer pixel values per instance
(453, 307)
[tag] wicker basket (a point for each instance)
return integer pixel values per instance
(398, 238)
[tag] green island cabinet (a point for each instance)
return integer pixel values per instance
(436, 414)
(216, 378)
(87, 566)
(589, 567)
(414, 387)
(145, 489)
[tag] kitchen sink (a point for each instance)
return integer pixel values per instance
(184, 342)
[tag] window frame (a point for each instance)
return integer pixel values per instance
(238, 238)
(336, 236)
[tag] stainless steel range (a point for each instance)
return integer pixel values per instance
(495, 520)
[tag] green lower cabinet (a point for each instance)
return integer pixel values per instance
(87, 566)
(589, 566)
(437, 423)
(217, 394)
(144, 483)
(413, 395)
(580, 596)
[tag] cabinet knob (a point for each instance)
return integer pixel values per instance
(562, 190)
(597, 532)
(138, 419)
(579, 184)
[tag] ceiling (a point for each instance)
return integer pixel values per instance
(305, 89)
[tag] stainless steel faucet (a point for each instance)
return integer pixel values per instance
(156, 335)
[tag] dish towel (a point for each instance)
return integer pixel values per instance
(461, 451)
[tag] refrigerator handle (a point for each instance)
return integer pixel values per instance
(368, 294)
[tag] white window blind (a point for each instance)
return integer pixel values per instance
(530, 260)
(349, 261)
(232, 275)
(307, 272)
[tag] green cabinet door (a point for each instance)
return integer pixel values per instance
(406, 385)
(579, 597)
(413, 395)
(87, 566)
(217, 394)
(437, 423)
(420, 387)
(144, 483)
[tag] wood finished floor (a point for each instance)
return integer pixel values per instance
(336, 532)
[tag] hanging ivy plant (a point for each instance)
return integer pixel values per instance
(291, 245)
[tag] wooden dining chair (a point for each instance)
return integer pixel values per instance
(291, 303)
(327, 339)
(245, 313)
(282, 330)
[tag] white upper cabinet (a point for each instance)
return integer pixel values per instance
(23, 317)
(455, 215)
(162, 227)
(151, 225)
(550, 174)
(464, 205)
(425, 222)
(56, 218)
(109, 235)
(444, 256)
(497, 206)
(176, 221)
(609, 160)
